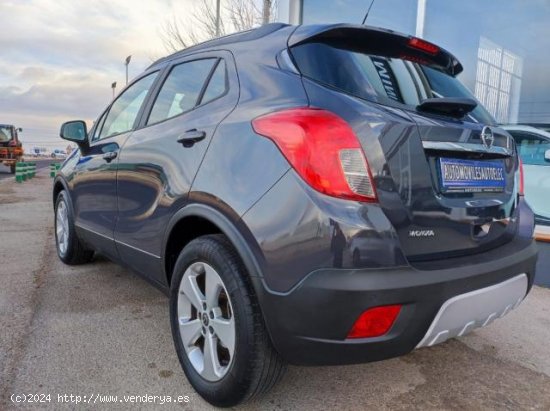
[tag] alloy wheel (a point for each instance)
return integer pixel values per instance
(206, 321)
(62, 227)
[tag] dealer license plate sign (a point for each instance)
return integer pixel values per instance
(471, 176)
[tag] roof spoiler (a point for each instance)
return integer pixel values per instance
(383, 42)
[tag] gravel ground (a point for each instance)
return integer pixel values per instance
(100, 330)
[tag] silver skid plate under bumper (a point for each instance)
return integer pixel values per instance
(463, 313)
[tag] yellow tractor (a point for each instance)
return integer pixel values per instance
(11, 149)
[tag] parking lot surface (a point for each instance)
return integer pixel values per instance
(98, 331)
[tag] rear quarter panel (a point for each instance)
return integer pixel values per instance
(240, 166)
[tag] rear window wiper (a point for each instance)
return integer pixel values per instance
(448, 106)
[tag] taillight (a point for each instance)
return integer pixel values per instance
(521, 179)
(423, 45)
(375, 322)
(323, 149)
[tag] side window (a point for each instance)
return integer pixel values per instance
(531, 148)
(181, 89)
(217, 84)
(97, 130)
(123, 112)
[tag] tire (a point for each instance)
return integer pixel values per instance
(254, 366)
(69, 247)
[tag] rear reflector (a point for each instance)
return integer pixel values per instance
(375, 322)
(323, 149)
(423, 45)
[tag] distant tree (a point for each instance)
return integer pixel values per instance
(202, 24)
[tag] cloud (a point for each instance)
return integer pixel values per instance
(68, 93)
(59, 57)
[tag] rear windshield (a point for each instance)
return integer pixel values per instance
(5, 134)
(386, 80)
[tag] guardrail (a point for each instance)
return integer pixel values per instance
(54, 168)
(24, 171)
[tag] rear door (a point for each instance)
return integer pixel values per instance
(160, 160)
(446, 182)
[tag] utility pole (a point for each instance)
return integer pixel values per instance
(420, 18)
(113, 86)
(127, 63)
(266, 12)
(295, 12)
(217, 18)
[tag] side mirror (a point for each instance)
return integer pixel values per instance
(547, 155)
(75, 131)
(20, 129)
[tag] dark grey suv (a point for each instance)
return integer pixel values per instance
(306, 195)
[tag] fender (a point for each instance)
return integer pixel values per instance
(235, 231)
(59, 179)
(63, 182)
(238, 234)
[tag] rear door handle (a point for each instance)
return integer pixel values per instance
(109, 156)
(190, 137)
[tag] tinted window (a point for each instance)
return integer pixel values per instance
(123, 112)
(443, 85)
(531, 148)
(387, 80)
(181, 89)
(99, 126)
(217, 85)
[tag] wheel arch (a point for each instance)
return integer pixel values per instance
(59, 185)
(211, 221)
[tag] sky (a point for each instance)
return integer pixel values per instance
(58, 58)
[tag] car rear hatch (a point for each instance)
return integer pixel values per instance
(446, 176)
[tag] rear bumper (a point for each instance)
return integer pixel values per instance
(309, 324)
(465, 312)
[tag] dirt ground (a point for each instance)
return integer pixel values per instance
(98, 331)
